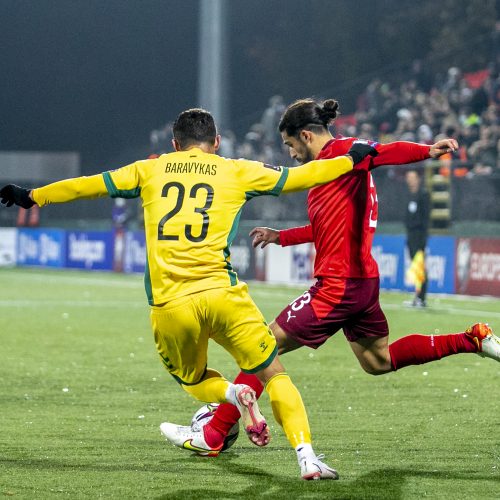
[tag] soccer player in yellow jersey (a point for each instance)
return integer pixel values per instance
(192, 200)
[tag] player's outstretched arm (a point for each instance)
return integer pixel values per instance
(443, 147)
(57, 192)
(403, 152)
(316, 172)
(283, 237)
(263, 236)
(319, 172)
(70, 189)
(296, 235)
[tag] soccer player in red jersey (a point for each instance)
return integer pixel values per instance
(343, 218)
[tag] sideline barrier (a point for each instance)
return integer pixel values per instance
(454, 265)
(8, 246)
(478, 266)
(90, 250)
(134, 260)
(41, 247)
(295, 264)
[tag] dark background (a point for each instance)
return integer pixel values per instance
(96, 76)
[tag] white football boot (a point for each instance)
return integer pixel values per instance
(313, 468)
(188, 438)
(488, 344)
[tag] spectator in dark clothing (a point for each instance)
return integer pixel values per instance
(417, 225)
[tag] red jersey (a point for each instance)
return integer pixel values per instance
(343, 213)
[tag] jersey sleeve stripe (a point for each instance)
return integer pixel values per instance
(275, 191)
(114, 192)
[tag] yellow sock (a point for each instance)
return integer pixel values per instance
(288, 409)
(212, 389)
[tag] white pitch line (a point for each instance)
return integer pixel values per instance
(290, 290)
(271, 291)
(77, 280)
(484, 315)
(290, 295)
(73, 303)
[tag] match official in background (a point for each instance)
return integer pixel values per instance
(417, 231)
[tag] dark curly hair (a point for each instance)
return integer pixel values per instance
(308, 113)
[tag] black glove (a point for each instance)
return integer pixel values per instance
(360, 150)
(12, 194)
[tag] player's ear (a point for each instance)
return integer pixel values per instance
(176, 145)
(217, 142)
(306, 136)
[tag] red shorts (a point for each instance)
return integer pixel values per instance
(331, 304)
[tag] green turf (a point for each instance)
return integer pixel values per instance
(82, 393)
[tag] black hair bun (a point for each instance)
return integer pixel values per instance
(330, 109)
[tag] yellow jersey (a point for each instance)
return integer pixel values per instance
(192, 203)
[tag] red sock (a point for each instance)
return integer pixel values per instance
(227, 414)
(420, 349)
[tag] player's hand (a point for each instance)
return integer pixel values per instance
(15, 195)
(263, 236)
(360, 150)
(442, 147)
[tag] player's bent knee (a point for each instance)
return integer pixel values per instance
(192, 390)
(375, 369)
(212, 387)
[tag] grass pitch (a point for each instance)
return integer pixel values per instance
(82, 393)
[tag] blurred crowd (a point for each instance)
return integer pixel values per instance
(421, 108)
